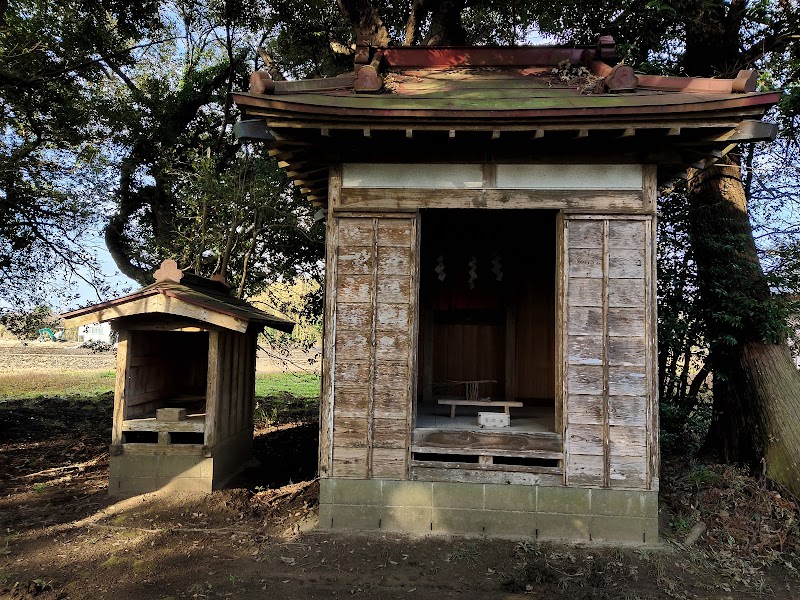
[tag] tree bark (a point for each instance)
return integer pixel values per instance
(774, 381)
(366, 22)
(117, 242)
(446, 28)
(416, 16)
(756, 386)
(712, 39)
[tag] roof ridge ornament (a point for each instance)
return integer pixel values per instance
(261, 83)
(621, 78)
(168, 271)
(746, 81)
(220, 278)
(606, 50)
(368, 79)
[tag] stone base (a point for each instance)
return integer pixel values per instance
(517, 511)
(141, 468)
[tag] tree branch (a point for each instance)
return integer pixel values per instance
(419, 10)
(137, 93)
(52, 74)
(775, 42)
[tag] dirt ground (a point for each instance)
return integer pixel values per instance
(52, 356)
(62, 537)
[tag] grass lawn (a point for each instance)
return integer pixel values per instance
(299, 385)
(31, 384)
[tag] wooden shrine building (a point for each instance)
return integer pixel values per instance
(183, 400)
(490, 324)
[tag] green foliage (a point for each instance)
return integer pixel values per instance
(119, 114)
(51, 172)
(25, 324)
(682, 344)
(187, 189)
(301, 36)
(29, 383)
(229, 221)
(702, 476)
(283, 408)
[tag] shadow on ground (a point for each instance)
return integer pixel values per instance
(284, 455)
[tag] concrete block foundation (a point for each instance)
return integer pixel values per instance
(141, 468)
(616, 516)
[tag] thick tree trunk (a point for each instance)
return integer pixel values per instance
(756, 387)
(118, 244)
(366, 22)
(774, 383)
(446, 28)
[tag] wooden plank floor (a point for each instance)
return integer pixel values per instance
(528, 418)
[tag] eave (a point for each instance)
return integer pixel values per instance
(672, 144)
(510, 115)
(170, 301)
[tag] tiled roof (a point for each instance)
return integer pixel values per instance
(496, 91)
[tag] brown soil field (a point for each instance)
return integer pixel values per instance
(52, 356)
(68, 356)
(269, 361)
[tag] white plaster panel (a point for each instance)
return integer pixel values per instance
(570, 177)
(420, 176)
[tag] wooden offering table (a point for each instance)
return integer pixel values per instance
(453, 402)
(472, 398)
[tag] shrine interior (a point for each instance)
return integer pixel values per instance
(487, 302)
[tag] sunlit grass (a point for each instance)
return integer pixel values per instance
(299, 385)
(29, 383)
(33, 383)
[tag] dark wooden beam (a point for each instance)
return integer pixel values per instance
(255, 130)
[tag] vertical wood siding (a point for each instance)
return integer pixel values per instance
(231, 385)
(371, 328)
(608, 339)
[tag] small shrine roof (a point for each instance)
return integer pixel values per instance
(185, 296)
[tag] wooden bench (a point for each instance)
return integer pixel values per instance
(453, 402)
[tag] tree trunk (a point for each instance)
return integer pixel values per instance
(774, 383)
(756, 386)
(446, 28)
(367, 24)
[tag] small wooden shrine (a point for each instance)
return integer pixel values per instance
(491, 254)
(183, 400)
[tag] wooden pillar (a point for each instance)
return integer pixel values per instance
(511, 355)
(212, 389)
(427, 356)
(123, 353)
(329, 320)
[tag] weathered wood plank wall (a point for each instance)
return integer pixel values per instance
(371, 327)
(161, 365)
(607, 335)
(230, 387)
(605, 331)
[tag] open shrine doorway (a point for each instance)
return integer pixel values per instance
(487, 302)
